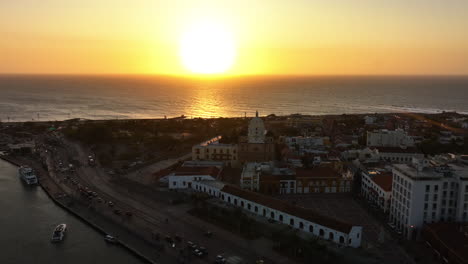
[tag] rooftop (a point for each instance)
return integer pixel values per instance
(317, 172)
(285, 207)
(384, 180)
(216, 184)
(454, 236)
(397, 150)
(199, 170)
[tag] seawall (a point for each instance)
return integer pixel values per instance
(47, 185)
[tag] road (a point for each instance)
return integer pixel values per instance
(149, 215)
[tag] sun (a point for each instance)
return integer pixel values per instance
(207, 48)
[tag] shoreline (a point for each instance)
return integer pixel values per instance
(82, 218)
(416, 111)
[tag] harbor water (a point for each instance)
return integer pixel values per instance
(27, 219)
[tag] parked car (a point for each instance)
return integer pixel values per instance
(220, 259)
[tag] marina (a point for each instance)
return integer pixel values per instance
(31, 208)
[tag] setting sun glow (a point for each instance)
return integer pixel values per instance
(207, 48)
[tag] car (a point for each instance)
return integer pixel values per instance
(99, 200)
(94, 194)
(190, 244)
(117, 212)
(197, 253)
(203, 250)
(220, 259)
(110, 203)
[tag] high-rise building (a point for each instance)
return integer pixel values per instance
(428, 191)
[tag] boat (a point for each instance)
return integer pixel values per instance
(27, 174)
(59, 233)
(110, 239)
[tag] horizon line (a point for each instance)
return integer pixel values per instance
(226, 76)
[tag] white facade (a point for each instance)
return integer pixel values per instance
(400, 157)
(370, 120)
(373, 191)
(250, 177)
(352, 238)
(256, 132)
(304, 142)
(186, 181)
(426, 193)
(389, 138)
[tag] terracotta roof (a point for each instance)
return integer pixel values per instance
(384, 180)
(209, 170)
(451, 236)
(317, 172)
(285, 207)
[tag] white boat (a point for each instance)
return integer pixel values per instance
(27, 174)
(110, 239)
(59, 233)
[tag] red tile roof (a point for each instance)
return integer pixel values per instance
(209, 170)
(317, 172)
(449, 238)
(384, 180)
(285, 207)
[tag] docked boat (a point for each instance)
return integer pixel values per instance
(59, 233)
(110, 239)
(27, 174)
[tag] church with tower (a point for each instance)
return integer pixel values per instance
(256, 146)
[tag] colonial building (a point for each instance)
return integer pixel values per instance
(184, 177)
(256, 147)
(389, 138)
(302, 219)
(376, 187)
(268, 179)
(212, 150)
(399, 154)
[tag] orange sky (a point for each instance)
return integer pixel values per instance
(272, 36)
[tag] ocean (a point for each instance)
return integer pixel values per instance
(60, 97)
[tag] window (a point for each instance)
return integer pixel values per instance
(248, 206)
(301, 225)
(174, 183)
(331, 236)
(281, 218)
(256, 209)
(321, 233)
(434, 206)
(272, 215)
(341, 239)
(291, 221)
(436, 188)
(242, 203)
(428, 188)
(311, 228)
